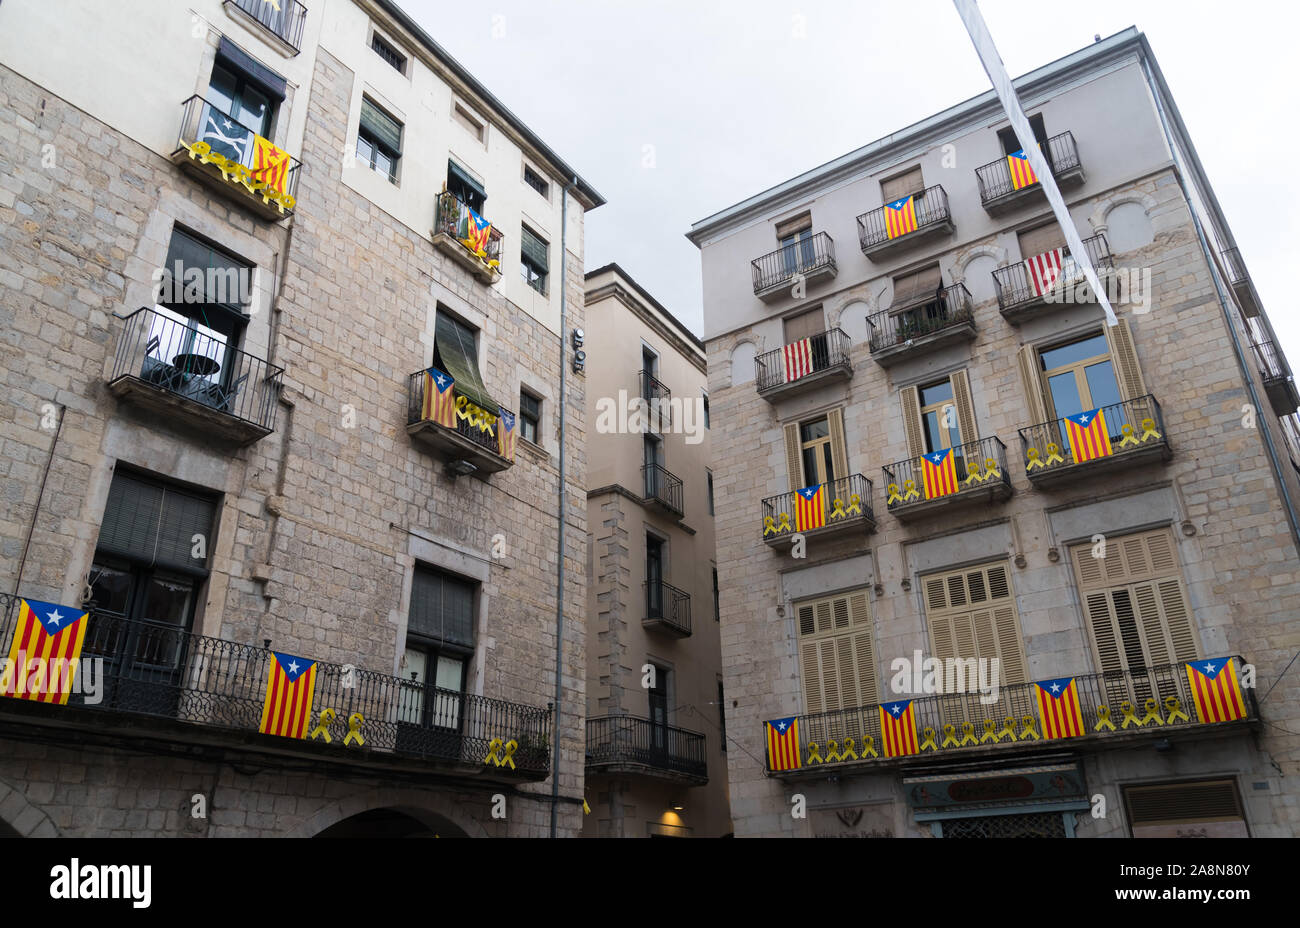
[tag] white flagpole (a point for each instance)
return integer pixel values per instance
(997, 72)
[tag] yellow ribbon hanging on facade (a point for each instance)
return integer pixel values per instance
(973, 474)
(1175, 708)
(847, 752)
(1054, 453)
(814, 753)
(968, 733)
(950, 736)
(355, 721)
(474, 415)
(855, 504)
(1033, 461)
(991, 471)
(494, 748)
(769, 526)
(838, 511)
(1149, 430)
(507, 759)
(1130, 714)
(929, 740)
(909, 490)
(1152, 713)
(1129, 438)
(233, 172)
(1103, 719)
(832, 750)
(893, 496)
(989, 731)
(868, 747)
(322, 729)
(1028, 728)
(1008, 729)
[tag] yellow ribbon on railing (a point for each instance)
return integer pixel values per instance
(855, 504)
(1129, 438)
(474, 415)
(1130, 714)
(776, 528)
(847, 752)
(507, 759)
(1028, 728)
(1103, 719)
(832, 750)
(929, 740)
(814, 753)
(868, 747)
(355, 721)
(973, 474)
(909, 490)
(494, 749)
(1175, 708)
(1032, 455)
(838, 511)
(326, 718)
(1149, 430)
(1152, 713)
(950, 736)
(968, 733)
(989, 731)
(991, 471)
(1008, 729)
(1054, 453)
(893, 496)
(233, 172)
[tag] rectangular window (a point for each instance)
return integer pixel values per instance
(1009, 142)
(804, 325)
(455, 352)
(706, 411)
(717, 600)
(439, 643)
(709, 475)
(537, 182)
(1187, 809)
(467, 121)
(385, 50)
(902, 185)
(722, 718)
(837, 660)
(533, 260)
(530, 416)
(463, 185)
(379, 140)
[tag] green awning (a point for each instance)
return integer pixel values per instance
(382, 126)
(455, 348)
(455, 171)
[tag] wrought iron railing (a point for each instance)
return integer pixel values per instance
(803, 256)
(452, 217)
(1272, 363)
(213, 136)
(624, 739)
(284, 19)
(1112, 705)
(658, 402)
(184, 358)
(469, 424)
(995, 177)
(827, 350)
(846, 501)
(931, 207)
(978, 465)
(662, 486)
(1130, 426)
(160, 670)
(1015, 285)
(669, 605)
(1236, 266)
(943, 309)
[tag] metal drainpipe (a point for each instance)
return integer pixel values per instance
(40, 495)
(1223, 303)
(559, 560)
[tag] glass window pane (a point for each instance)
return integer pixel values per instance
(254, 110)
(933, 438)
(450, 671)
(940, 392)
(809, 465)
(383, 163)
(365, 151)
(1102, 385)
(222, 89)
(112, 589)
(811, 431)
(1085, 348)
(417, 664)
(1065, 394)
(828, 469)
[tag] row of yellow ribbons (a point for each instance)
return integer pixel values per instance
(781, 523)
(235, 173)
(1149, 433)
(327, 717)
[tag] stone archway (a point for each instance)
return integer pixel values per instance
(401, 812)
(20, 819)
(389, 822)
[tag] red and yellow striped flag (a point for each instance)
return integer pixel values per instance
(506, 433)
(1087, 434)
(439, 399)
(1058, 708)
(270, 164)
(809, 508)
(1216, 690)
(1022, 175)
(44, 653)
(290, 686)
(900, 217)
(783, 744)
(939, 473)
(898, 728)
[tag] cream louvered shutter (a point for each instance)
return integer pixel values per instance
(839, 450)
(911, 403)
(961, 397)
(837, 659)
(972, 614)
(898, 187)
(1031, 379)
(1127, 369)
(793, 457)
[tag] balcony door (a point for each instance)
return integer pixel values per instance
(939, 421)
(818, 459)
(1010, 143)
(653, 452)
(811, 325)
(1080, 375)
(659, 712)
(654, 577)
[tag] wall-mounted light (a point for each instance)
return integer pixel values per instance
(461, 468)
(579, 356)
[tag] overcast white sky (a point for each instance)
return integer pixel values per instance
(733, 101)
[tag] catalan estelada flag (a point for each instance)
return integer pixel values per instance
(939, 473)
(1058, 708)
(900, 217)
(477, 231)
(1022, 175)
(44, 653)
(290, 686)
(270, 164)
(898, 728)
(439, 399)
(783, 744)
(798, 359)
(1216, 690)
(506, 433)
(1087, 434)
(809, 508)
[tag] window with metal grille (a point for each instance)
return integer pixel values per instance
(379, 140)
(533, 262)
(1030, 825)
(385, 50)
(1188, 802)
(536, 181)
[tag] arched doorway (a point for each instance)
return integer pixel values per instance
(393, 823)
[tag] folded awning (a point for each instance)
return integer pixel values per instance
(455, 349)
(455, 171)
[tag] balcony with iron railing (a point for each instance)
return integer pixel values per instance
(189, 376)
(998, 186)
(1022, 292)
(625, 745)
(467, 238)
(1240, 281)
(974, 473)
(880, 237)
(1114, 437)
(839, 507)
(219, 151)
(194, 687)
(667, 609)
(1276, 374)
(808, 259)
(1124, 707)
(474, 439)
(803, 365)
(662, 488)
(656, 401)
(282, 19)
(921, 324)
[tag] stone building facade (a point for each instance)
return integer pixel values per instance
(218, 478)
(866, 342)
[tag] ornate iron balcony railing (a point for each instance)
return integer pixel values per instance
(662, 486)
(825, 351)
(1151, 701)
(284, 19)
(1272, 363)
(658, 402)
(846, 501)
(801, 257)
(1236, 266)
(452, 217)
(943, 309)
(1016, 288)
(666, 604)
(977, 465)
(931, 207)
(616, 740)
(995, 177)
(160, 670)
(1130, 427)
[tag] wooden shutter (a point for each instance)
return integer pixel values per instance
(909, 288)
(972, 614)
(911, 402)
(793, 226)
(898, 187)
(839, 450)
(837, 656)
(1032, 379)
(1044, 238)
(793, 456)
(813, 322)
(1127, 370)
(961, 397)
